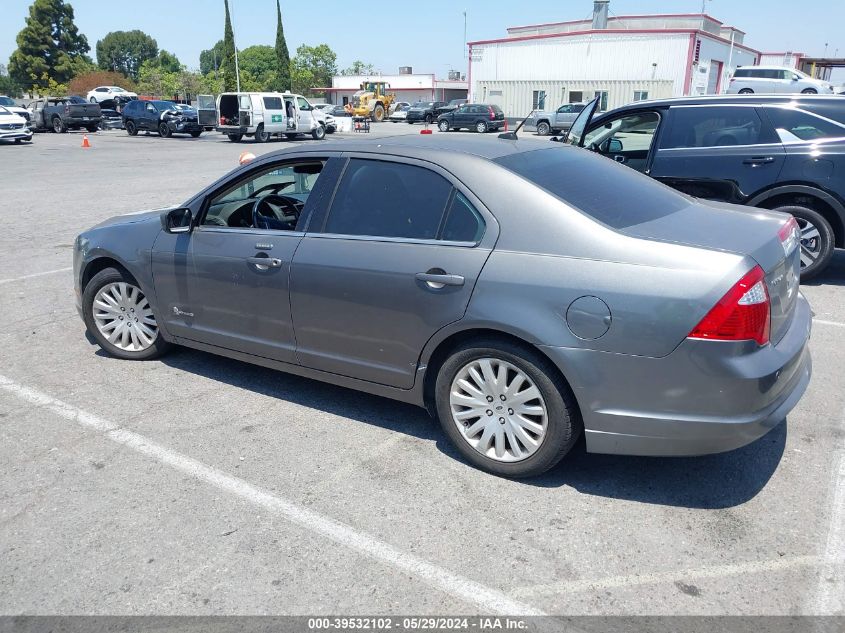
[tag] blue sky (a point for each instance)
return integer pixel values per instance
(390, 34)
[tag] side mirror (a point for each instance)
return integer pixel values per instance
(177, 221)
(614, 146)
(795, 77)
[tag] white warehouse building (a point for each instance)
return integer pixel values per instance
(620, 58)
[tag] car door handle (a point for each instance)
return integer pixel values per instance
(438, 280)
(266, 262)
(759, 160)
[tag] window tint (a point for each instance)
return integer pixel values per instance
(273, 103)
(576, 96)
(718, 126)
(794, 125)
(303, 104)
(581, 180)
(742, 72)
(464, 223)
(388, 200)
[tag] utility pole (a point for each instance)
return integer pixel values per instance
(235, 41)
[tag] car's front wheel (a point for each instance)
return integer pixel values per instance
(505, 408)
(318, 133)
(746, 91)
(809, 91)
(443, 125)
(196, 134)
(817, 240)
(119, 316)
(543, 128)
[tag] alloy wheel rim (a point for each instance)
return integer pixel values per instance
(481, 127)
(498, 410)
(811, 242)
(123, 316)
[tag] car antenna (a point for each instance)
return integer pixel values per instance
(511, 136)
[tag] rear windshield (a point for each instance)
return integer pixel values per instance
(613, 194)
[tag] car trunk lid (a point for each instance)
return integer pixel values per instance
(80, 110)
(762, 235)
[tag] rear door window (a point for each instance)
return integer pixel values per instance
(716, 126)
(388, 199)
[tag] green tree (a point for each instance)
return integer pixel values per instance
(125, 51)
(358, 68)
(258, 68)
(210, 59)
(313, 67)
(227, 63)
(168, 62)
(48, 46)
(282, 78)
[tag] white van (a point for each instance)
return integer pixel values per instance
(261, 115)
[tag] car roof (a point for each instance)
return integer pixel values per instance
(765, 67)
(752, 99)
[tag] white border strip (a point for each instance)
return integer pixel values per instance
(833, 323)
(483, 597)
(32, 276)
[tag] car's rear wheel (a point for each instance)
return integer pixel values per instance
(261, 135)
(746, 91)
(809, 91)
(817, 239)
(443, 125)
(543, 128)
(92, 128)
(59, 126)
(196, 134)
(481, 127)
(505, 408)
(119, 317)
(235, 138)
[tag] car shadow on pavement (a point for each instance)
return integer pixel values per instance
(833, 275)
(708, 482)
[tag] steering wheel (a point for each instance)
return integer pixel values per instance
(263, 209)
(273, 188)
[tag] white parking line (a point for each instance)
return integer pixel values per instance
(483, 597)
(633, 580)
(833, 323)
(44, 274)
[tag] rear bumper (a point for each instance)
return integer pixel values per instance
(233, 129)
(705, 397)
(78, 121)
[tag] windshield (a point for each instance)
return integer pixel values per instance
(161, 106)
(116, 89)
(6, 101)
(580, 179)
(423, 104)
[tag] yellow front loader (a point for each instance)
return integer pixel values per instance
(372, 101)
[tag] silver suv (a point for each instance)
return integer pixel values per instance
(775, 80)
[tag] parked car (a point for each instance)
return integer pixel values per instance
(111, 120)
(116, 103)
(400, 113)
(338, 111)
(454, 104)
(61, 114)
(161, 117)
(470, 277)
(775, 79)
(13, 127)
(424, 111)
(102, 93)
(9, 104)
(262, 115)
(558, 121)
(475, 116)
(772, 152)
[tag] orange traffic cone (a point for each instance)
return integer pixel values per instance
(506, 125)
(85, 142)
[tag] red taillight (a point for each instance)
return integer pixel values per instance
(492, 114)
(790, 236)
(743, 314)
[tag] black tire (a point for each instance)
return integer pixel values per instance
(481, 127)
(92, 128)
(443, 125)
(18, 141)
(824, 244)
(59, 126)
(409, 122)
(92, 100)
(235, 138)
(260, 135)
(543, 128)
(164, 130)
(196, 134)
(378, 113)
(331, 129)
(131, 128)
(746, 91)
(564, 420)
(318, 133)
(103, 278)
(291, 135)
(809, 91)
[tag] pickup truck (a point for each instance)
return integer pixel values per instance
(61, 114)
(558, 121)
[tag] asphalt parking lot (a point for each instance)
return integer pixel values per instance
(200, 485)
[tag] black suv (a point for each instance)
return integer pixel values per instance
(785, 153)
(473, 116)
(424, 111)
(164, 117)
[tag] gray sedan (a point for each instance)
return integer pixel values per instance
(468, 276)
